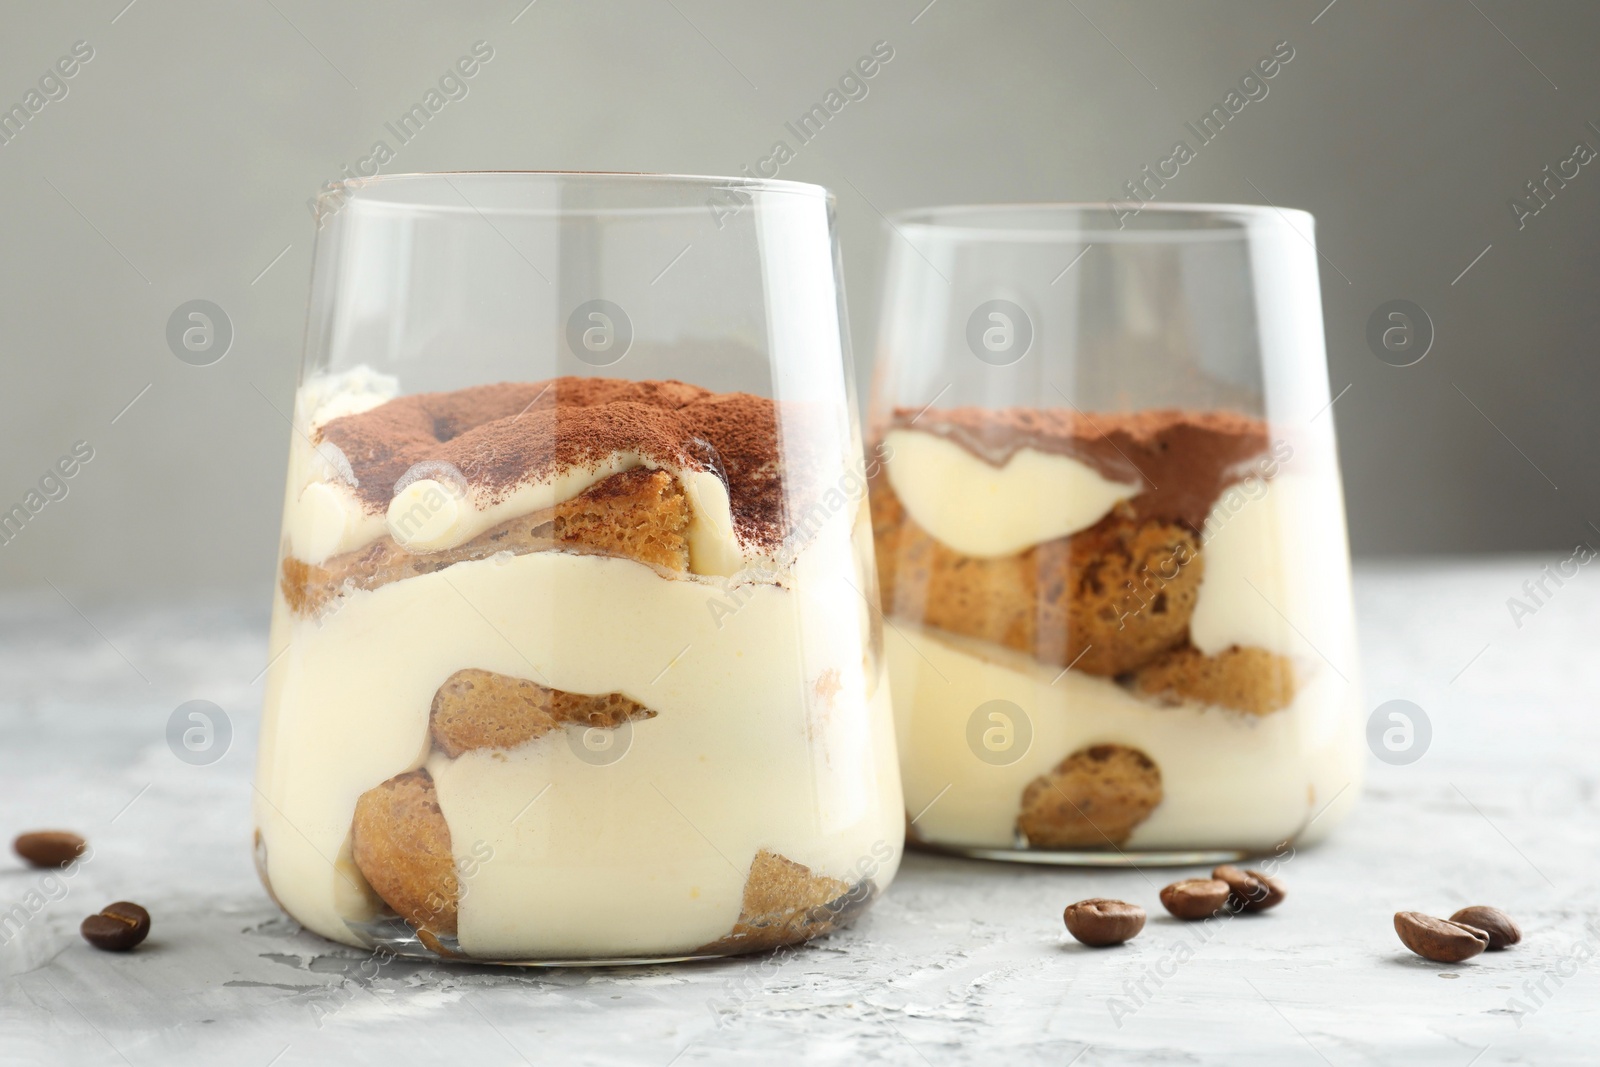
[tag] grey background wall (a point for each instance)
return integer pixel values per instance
(178, 164)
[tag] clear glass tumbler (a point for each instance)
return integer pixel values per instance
(573, 650)
(1111, 534)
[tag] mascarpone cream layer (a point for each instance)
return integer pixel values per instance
(982, 510)
(772, 732)
(1229, 780)
(1277, 571)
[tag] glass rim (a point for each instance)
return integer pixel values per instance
(1087, 220)
(351, 188)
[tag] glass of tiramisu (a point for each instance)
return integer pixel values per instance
(575, 655)
(1111, 535)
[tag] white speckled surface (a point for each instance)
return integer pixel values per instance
(962, 962)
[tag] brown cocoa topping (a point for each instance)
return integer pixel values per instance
(1183, 459)
(502, 436)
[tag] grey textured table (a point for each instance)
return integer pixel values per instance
(960, 962)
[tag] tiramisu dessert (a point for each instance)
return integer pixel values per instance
(571, 670)
(1112, 631)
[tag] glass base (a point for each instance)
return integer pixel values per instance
(1202, 857)
(391, 935)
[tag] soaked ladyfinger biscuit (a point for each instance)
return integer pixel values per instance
(401, 845)
(1252, 680)
(785, 903)
(1104, 600)
(639, 514)
(481, 709)
(1093, 799)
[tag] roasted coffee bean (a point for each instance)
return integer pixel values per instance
(1503, 930)
(1100, 922)
(1240, 885)
(117, 928)
(1275, 891)
(1195, 898)
(1250, 890)
(1439, 940)
(49, 848)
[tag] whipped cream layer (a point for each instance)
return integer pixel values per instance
(773, 731)
(980, 509)
(1229, 780)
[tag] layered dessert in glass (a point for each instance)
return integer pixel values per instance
(1117, 590)
(574, 669)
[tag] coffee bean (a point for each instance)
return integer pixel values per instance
(1275, 891)
(49, 848)
(1439, 940)
(1240, 885)
(1250, 890)
(117, 928)
(1195, 898)
(1503, 930)
(1100, 922)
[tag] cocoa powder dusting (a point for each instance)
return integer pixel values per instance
(502, 436)
(1183, 459)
